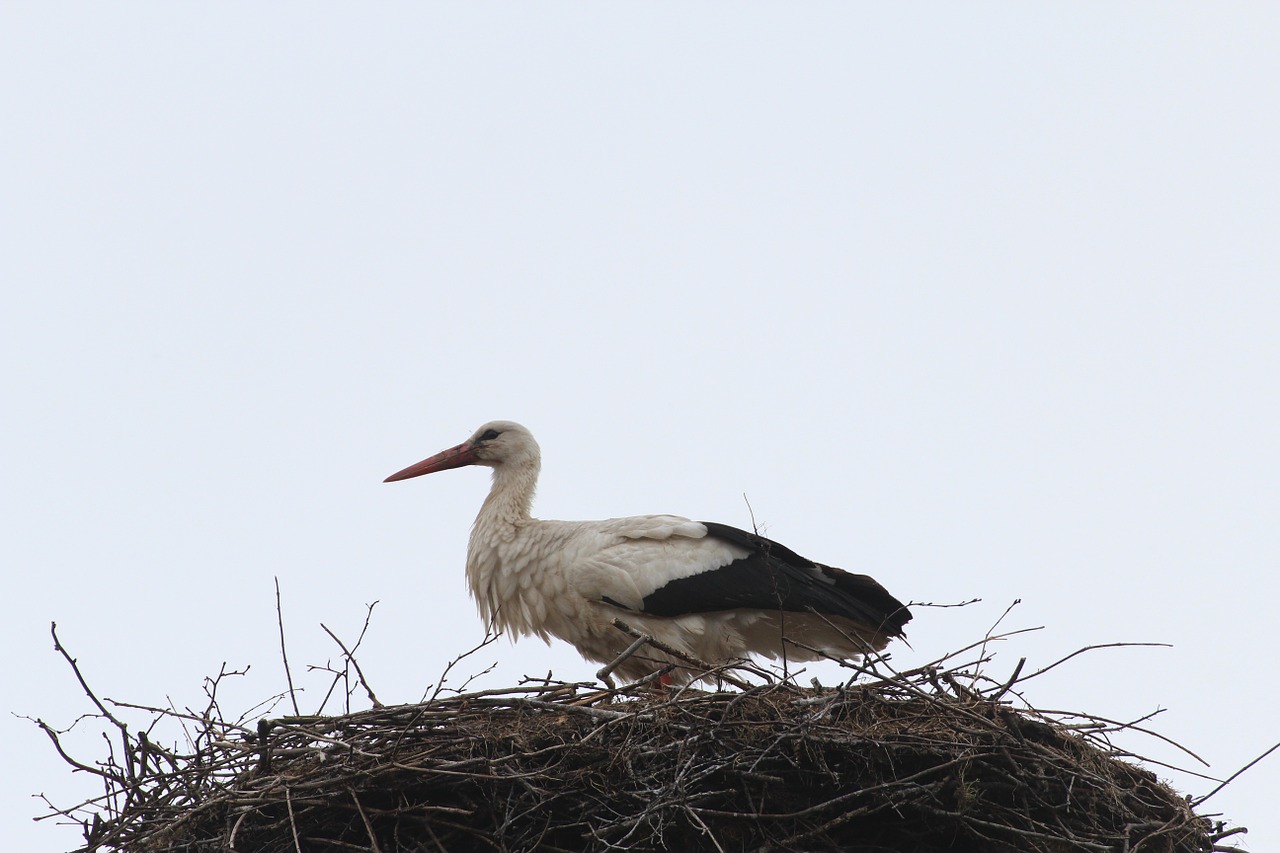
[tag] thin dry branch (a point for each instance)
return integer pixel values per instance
(491, 636)
(350, 658)
(1233, 776)
(699, 666)
(284, 655)
(1089, 648)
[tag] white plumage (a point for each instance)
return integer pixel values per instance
(712, 591)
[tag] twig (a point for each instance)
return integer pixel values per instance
(605, 672)
(684, 657)
(965, 603)
(1230, 778)
(1094, 647)
(752, 513)
(1013, 679)
(351, 657)
(293, 822)
(283, 654)
(368, 827)
(996, 624)
(75, 667)
(231, 839)
(491, 636)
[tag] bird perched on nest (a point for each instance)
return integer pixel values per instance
(708, 590)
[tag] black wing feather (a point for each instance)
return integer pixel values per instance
(773, 577)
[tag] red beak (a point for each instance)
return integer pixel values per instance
(454, 457)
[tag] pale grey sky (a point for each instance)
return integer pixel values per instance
(981, 301)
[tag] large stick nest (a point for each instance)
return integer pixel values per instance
(934, 759)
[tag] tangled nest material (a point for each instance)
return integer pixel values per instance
(933, 759)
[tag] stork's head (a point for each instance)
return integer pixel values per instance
(495, 445)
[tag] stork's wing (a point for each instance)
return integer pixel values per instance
(773, 577)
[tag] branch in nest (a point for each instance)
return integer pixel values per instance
(700, 666)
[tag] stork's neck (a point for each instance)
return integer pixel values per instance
(495, 558)
(510, 498)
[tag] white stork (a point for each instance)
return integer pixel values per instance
(709, 590)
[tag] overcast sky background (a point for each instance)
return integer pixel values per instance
(979, 300)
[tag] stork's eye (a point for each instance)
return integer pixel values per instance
(490, 434)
